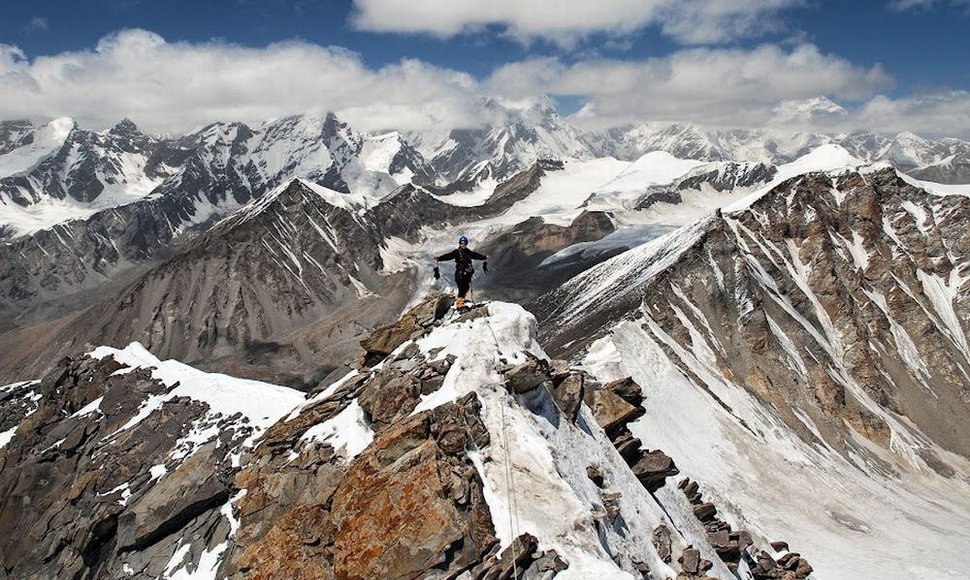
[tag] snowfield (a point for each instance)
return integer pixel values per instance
(850, 519)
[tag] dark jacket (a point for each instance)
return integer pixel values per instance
(463, 260)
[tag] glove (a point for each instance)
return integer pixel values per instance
(485, 267)
(437, 274)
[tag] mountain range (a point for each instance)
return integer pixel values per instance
(697, 353)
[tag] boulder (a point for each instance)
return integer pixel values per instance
(743, 539)
(520, 560)
(388, 395)
(524, 377)
(415, 322)
(610, 410)
(568, 394)
(653, 468)
(705, 511)
(627, 389)
(690, 560)
(628, 446)
(779, 546)
(661, 542)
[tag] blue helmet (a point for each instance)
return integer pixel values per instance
(463, 240)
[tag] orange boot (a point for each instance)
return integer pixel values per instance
(459, 303)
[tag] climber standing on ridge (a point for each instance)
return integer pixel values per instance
(464, 269)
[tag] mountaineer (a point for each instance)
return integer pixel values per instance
(464, 269)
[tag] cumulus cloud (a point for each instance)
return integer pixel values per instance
(175, 87)
(938, 114)
(565, 22)
(798, 89)
(172, 87)
(714, 87)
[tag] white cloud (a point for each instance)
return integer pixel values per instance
(173, 87)
(37, 24)
(909, 5)
(565, 22)
(714, 87)
(939, 114)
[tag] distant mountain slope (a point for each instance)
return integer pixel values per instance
(833, 308)
(87, 236)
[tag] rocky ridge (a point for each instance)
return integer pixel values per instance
(831, 307)
(124, 464)
(398, 469)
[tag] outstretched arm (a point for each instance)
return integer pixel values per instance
(476, 255)
(449, 256)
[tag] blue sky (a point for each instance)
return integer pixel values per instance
(907, 58)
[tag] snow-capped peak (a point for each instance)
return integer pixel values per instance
(807, 111)
(47, 140)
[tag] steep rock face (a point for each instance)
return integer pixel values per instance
(866, 279)
(15, 134)
(120, 230)
(954, 169)
(119, 473)
(728, 177)
(85, 166)
(519, 137)
(68, 266)
(834, 306)
(519, 253)
(293, 263)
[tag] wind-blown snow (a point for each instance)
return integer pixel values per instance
(7, 436)
(347, 432)
(92, 407)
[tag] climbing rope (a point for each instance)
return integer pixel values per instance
(513, 504)
(510, 485)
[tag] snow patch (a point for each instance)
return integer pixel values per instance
(262, 403)
(348, 431)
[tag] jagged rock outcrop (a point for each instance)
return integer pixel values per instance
(115, 473)
(733, 546)
(406, 502)
(414, 323)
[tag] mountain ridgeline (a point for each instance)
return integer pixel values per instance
(697, 354)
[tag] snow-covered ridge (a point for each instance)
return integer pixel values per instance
(827, 288)
(47, 140)
(261, 403)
